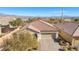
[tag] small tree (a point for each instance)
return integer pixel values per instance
(76, 20)
(16, 22)
(22, 41)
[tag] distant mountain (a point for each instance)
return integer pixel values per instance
(17, 16)
(25, 17)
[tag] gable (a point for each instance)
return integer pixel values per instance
(76, 33)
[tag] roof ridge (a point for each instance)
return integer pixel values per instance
(47, 23)
(33, 28)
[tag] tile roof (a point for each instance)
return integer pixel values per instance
(40, 25)
(69, 27)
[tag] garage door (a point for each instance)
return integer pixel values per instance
(46, 36)
(46, 42)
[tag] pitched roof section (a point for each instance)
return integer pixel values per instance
(42, 26)
(69, 27)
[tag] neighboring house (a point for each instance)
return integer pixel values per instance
(69, 32)
(5, 20)
(4, 23)
(1, 27)
(5, 29)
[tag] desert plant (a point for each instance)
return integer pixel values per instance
(16, 22)
(22, 41)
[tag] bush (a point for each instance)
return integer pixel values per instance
(22, 41)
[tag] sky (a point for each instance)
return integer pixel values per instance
(40, 11)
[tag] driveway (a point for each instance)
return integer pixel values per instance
(48, 45)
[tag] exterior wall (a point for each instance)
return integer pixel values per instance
(54, 35)
(39, 36)
(33, 33)
(76, 33)
(75, 42)
(57, 35)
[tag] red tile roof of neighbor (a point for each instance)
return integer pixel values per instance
(42, 26)
(70, 27)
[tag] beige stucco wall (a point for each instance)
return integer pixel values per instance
(75, 42)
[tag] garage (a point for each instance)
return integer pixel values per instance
(46, 36)
(46, 42)
(45, 33)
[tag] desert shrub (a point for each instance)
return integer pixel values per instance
(22, 41)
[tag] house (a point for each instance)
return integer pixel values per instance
(42, 28)
(69, 32)
(1, 27)
(4, 23)
(45, 33)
